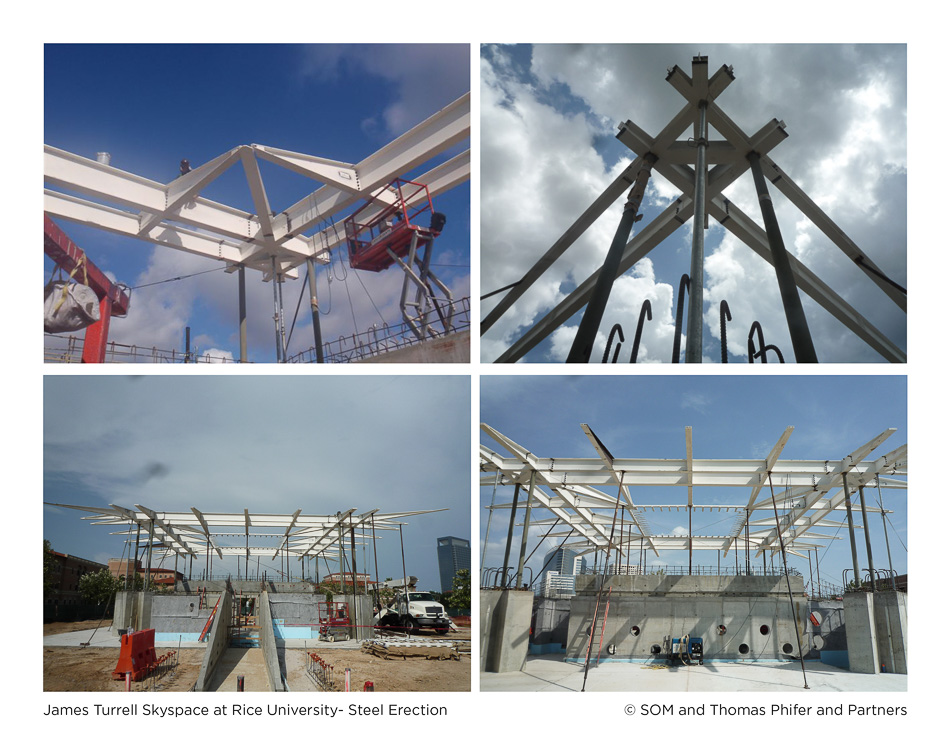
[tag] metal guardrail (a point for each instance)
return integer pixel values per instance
(377, 340)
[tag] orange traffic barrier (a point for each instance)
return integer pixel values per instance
(137, 655)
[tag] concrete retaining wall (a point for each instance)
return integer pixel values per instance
(269, 645)
(453, 348)
(860, 623)
(549, 625)
(646, 611)
(217, 642)
(891, 631)
(179, 615)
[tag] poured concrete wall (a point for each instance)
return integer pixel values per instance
(269, 645)
(646, 611)
(860, 624)
(217, 642)
(179, 615)
(505, 618)
(550, 622)
(452, 348)
(891, 631)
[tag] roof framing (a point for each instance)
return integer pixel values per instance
(812, 489)
(194, 533)
(175, 215)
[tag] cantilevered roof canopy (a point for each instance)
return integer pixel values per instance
(806, 492)
(195, 532)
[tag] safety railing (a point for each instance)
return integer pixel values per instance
(380, 339)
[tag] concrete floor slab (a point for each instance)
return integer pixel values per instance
(235, 662)
(553, 674)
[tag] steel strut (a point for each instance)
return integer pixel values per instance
(588, 330)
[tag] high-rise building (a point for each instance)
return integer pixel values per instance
(563, 561)
(452, 554)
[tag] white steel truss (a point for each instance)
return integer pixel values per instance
(196, 533)
(807, 491)
(176, 215)
(727, 161)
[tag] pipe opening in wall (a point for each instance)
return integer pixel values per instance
(721, 629)
(744, 649)
(764, 629)
(787, 647)
(655, 649)
(635, 630)
(611, 649)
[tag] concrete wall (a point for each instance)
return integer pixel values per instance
(891, 631)
(452, 348)
(179, 615)
(860, 623)
(505, 618)
(217, 642)
(269, 645)
(646, 611)
(550, 623)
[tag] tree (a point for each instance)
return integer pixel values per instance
(99, 587)
(49, 568)
(459, 598)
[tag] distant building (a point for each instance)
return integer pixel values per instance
(63, 601)
(129, 568)
(452, 554)
(556, 585)
(563, 561)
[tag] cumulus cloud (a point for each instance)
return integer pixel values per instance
(545, 160)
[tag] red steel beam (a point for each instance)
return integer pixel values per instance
(67, 254)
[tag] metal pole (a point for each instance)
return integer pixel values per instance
(528, 517)
(792, 607)
(508, 540)
(848, 513)
(277, 312)
(818, 573)
(694, 348)
(792, 304)
(868, 539)
(314, 310)
(888, 548)
(353, 576)
(689, 540)
(485, 541)
(588, 330)
(242, 315)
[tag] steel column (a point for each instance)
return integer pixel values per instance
(694, 351)
(314, 309)
(508, 540)
(868, 539)
(242, 315)
(588, 330)
(528, 518)
(888, 548)
(792, 304)
(848, 513)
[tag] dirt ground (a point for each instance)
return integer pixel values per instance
(90, 625)
(393, 675)
(90, 670)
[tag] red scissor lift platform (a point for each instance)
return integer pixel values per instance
(393, 228)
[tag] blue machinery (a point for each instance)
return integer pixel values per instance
(687, 650)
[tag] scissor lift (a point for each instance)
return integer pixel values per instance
(389, 229)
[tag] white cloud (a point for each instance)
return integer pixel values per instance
(845, 109)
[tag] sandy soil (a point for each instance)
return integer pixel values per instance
(90, 670)
(393, 675)
(90, 625)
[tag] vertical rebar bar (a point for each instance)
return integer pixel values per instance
(694, 350)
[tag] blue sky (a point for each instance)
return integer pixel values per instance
(549, 116)
(732, 418)
(267, 443)
(150, 106)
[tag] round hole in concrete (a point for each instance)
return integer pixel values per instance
(764, 629)
(611, 649)
(635, 630)
(787, 647)
(744, 649)
(655, 649)
(721, 629)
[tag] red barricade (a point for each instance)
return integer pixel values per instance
(137, 655)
